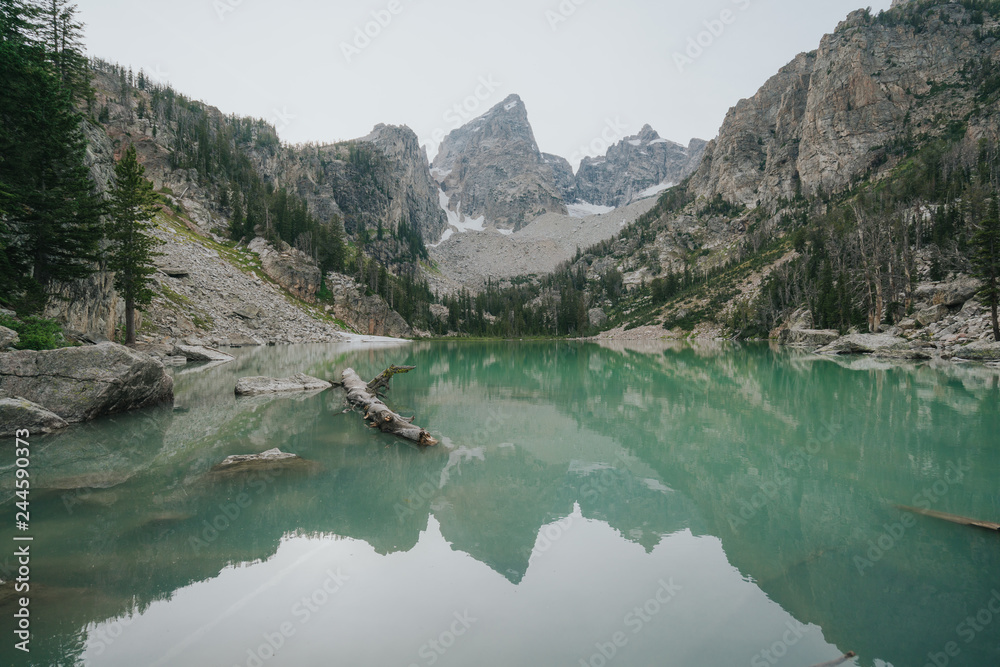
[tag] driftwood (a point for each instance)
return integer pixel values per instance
(363, 396)
(382, 381)
(954, 518)
(839, 661)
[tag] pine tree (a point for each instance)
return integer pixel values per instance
(134, 203)
(63, 35)
(52, 228)
(986, 261)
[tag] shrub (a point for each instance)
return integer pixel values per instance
(36, 333)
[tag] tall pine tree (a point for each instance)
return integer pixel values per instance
(52, 227)
(134, 203)
(986, 261)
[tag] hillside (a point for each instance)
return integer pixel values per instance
(851, 185)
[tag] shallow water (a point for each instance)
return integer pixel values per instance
(712, 505)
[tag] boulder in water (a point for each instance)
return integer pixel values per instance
(255, 386)
(18, 413)
(81, 383)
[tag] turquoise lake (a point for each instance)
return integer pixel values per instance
(616, 505)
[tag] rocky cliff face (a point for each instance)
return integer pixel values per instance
(366, 314)
(831, 115)
(292, 269)
(562, 175)
(377, 181)
(492, 168)
(416, 194)
(91, 305)
(635, 167)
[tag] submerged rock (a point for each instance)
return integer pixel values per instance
(255, 386)
(981, 351)
(864, 344)
(18, 413)
(808, 337)
(909, 354)
(81, 383)
(197, 353)
(270, 460)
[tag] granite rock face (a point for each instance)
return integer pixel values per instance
(368, 314)
(636, 167)
(291, 268)
(19, 413)
(562, 175)
(830, 115)
(81, 383)
(415, 195)
(491, 168)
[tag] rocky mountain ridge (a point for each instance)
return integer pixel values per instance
(492, 168)
(636, 167)
(492, 173)
(833, 115)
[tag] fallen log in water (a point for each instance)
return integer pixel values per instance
(363, 396)
(954, 518)
(839, 661)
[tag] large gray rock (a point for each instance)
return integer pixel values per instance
(929, 316)
(809, 337)
(368, 314)
(255, 386)
(597, 317)
(289, 267)
(196, 353)
(864, 344)
(8, 338)
(957, 292)
(981, 351)
(81, 383)
(19, 413)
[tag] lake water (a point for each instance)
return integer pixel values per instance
(587, 505)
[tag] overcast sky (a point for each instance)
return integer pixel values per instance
(588, 70)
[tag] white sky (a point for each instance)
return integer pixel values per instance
(609, 63)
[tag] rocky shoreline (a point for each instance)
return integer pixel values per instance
(948, 324)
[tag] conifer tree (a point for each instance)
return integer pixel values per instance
(52, 212)
(986, 261)
(134, 203)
